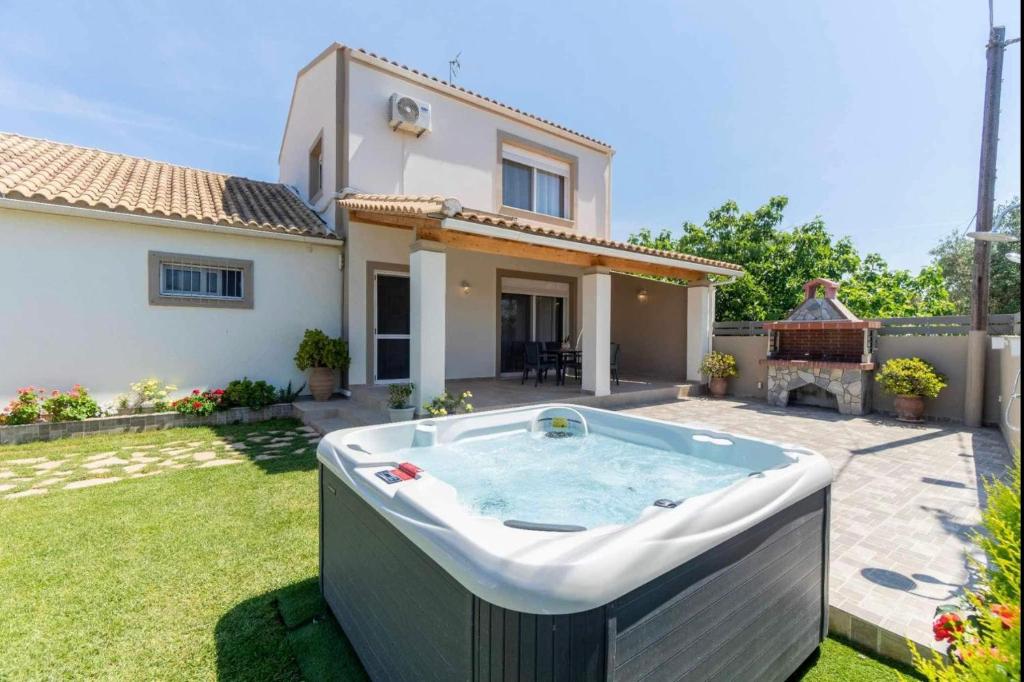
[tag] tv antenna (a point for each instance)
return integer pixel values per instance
(453, 68)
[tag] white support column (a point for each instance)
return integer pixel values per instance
(700, 321)
(597, 323)
(426, 320)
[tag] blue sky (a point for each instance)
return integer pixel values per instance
(867, 113)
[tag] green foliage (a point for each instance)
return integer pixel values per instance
(984, 633)
(149, 392)
(910, 376)
(778, 261)
(25, 409)
(247, 393)
(446, 404)
(287, 395)
(319, 350)
(718, 365)
(954, 256)
(200, 403)
(398, 396)
(73, 406)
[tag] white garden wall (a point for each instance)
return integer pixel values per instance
(75, 306)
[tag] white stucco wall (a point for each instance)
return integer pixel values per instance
(470, 319)
(313, 111)
(76, 307)
(459, 157)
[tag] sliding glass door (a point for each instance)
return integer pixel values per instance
(528, 317)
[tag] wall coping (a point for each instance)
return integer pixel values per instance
(815, 364)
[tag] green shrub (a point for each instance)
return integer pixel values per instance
(149, 392)
(446, 404)
(718, 365)
(73, 406)
(984, 630)
(398, 396)
(247, 393)
(319, 350)
(287, 395)
(910, 376)
(25, 409)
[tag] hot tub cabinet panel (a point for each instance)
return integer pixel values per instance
(751, 608)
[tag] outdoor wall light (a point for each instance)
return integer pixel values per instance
(641, 295)
(465, 288)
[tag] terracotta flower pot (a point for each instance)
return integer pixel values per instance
(718, 386)
(322, 381)
(909, 408)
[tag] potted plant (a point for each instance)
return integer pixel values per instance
(911, 380)
(324, 356)
(718, 367)
(399, 407)
(448, 404)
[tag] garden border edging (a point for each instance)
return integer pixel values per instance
(27, 433)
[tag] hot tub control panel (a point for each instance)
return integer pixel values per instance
(406, 471)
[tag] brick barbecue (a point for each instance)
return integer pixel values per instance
(822, 350)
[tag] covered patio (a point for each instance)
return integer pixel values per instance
(464, 267)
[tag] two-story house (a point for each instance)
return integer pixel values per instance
(470, 227)
(436, 230)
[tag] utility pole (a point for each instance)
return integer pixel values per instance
(974, 395)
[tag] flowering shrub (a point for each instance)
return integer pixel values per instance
(398, 396)
(200, 403)
(147, 393)
(25, 409)
(718, 365)
(446, 404)
(910, 376)
(983, 632)
(73, 406)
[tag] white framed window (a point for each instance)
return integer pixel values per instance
(533, 182)
(181, 279)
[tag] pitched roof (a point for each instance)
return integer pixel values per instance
(441, 207)
(444, 84)
(54, 173)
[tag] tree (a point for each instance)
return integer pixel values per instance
(954, 256)
(777, 262)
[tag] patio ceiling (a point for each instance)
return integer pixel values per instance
(445, 221)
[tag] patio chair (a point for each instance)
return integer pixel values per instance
(532, 359)
(614, 355)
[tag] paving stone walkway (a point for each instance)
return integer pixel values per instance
(41, 475)
(905, 501)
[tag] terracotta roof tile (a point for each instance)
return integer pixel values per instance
(56, 173)
(440, 207)
(483, 97)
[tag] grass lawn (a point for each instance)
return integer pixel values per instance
(191, 572)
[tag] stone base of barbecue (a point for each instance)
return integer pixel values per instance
(851, 387)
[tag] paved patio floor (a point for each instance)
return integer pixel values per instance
(905, 501)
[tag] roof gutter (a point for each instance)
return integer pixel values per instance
(157, 221)
(596, 249)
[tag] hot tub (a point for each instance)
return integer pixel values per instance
(570, 543)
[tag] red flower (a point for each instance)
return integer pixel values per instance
(219, 391)
(195, 391)
(1007, 615)
(196, 404)
(947, 626)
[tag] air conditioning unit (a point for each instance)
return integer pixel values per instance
(409, 114)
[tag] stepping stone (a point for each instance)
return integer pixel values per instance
(99, 472)
(166, 463)
(50, 466)
(237, 446)
(175, 451)
(141, 457)
(317, 439)
(90, 482)
(195, 443)
(281, 440)
(108, 462)
(178, 466)
(134, 468)
(274, 446)
(26, 493)
(219, 463)
(7, 474)
(24, 461)
(137, 447)
(4, 487)
(307, 429)
(101, 455)
(148, 473)
(204, 456)
(47, 482)
(301, 451)
(257, 458)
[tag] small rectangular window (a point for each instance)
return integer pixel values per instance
(316, 169)
(517, 185)
(178, 279)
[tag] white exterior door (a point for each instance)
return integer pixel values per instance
(391, 337)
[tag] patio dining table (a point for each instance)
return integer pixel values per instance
(563, 357)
